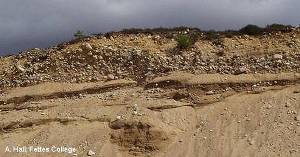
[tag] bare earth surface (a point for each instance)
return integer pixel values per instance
(179, 112)
(181, 119)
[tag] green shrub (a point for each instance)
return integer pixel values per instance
(278, 27)
(184, 41)
(252, 30)
(79, 34)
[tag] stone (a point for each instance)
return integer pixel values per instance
(277, 56)
(80, 96)
(135, 107)
(110, 77)
(210, 93)
(20, 68)
(250, 141)
(134, 113)
(242, 70)
(91, 153)
(95, 56)
(86, 47)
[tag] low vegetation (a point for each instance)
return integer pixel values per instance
(186, 36)
(184, 41)
(252, 30)
(157, 30)
(79, 34)
(278, 28)
(256, 30)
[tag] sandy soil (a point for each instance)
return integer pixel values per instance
(179, 115)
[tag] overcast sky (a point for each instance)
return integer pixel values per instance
(41, 23)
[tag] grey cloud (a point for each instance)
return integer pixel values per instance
(41, 23)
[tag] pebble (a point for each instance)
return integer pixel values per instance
(134, 112)
(242, 70)
(91, 153)
(80, 96)
(110, 77)
(210, 93)
(20, 68)
(86, 46)
(135, 107)
(251, 141)
(277, 56)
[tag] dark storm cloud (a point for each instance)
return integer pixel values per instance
(40, 23)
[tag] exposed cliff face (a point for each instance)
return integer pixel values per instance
(138, 95)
